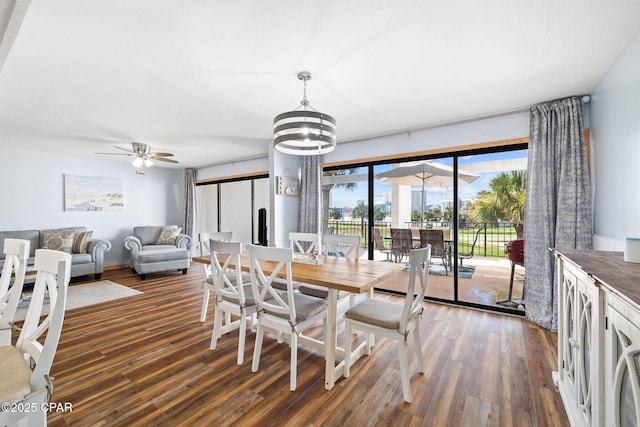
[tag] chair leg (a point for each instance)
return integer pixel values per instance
(242, 335)
(217, 326)
(258, 348)
(347, 348)
(294, 361)
(418, 344)
(404, 370)
(205, 303)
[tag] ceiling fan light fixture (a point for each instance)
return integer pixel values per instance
(304, 131)
(137, 162)
(148, 163)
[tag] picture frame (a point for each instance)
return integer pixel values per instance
(93, 193)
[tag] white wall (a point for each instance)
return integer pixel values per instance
(33, 196)
(284, 210)
(615, 125)
(472, 132)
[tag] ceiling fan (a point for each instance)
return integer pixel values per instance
(143, 155)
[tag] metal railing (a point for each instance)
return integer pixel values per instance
(491, 240)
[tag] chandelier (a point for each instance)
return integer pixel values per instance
(304, 131)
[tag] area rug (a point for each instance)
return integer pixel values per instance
(82, 295)
(465, 272)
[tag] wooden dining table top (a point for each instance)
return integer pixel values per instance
(355, 276)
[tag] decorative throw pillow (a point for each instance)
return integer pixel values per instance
(59, 241)
(168, 235)
(81, 242)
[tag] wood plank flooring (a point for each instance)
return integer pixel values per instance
(145, 360)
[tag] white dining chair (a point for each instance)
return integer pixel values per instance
(205, 250)
(337, 245)
(393, 320)
(25, 367)
(233, 294)
(16, 252)
(289, 313)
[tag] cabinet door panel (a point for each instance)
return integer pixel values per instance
(622, 372)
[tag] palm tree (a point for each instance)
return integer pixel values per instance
(503, 201)
(326, 190)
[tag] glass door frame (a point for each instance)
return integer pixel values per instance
(455, 155)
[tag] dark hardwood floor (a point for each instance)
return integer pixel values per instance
(145, 360)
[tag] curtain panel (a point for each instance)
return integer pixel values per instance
(189, 212)
(558, 205)
(310, 191)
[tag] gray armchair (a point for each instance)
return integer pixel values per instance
(158, 248)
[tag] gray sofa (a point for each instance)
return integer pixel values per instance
(156, 248)
(84, 261)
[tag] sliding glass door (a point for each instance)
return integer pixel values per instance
(468, 207)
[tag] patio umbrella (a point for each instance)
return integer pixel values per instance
(425, 173)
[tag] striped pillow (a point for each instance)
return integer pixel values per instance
(81, 242)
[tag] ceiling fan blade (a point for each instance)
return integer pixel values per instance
(162, 159)
(118, 154)
(124, 149)
(161, 154)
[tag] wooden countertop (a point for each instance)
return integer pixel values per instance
(608, 268)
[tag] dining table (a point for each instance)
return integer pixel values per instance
(337, 274)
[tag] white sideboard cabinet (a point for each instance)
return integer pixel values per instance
(598, 373)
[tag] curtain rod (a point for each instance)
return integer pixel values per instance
(585, 99)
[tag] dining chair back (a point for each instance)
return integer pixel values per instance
(304, 243)
(25, 367)
(401, 243)
(394, 320)
(341, 245)
(435, 238)
(335, 245)
(286, 312)
(233, 293)
(223, 236)
(205, 250)
(16, 252)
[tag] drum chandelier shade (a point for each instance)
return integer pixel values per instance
(304, 131)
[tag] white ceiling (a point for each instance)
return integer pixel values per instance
(204, 78)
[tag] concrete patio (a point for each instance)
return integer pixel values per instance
(488, 284)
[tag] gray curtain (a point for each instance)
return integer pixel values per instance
(558, 213)
(189, 212)
(310, 191)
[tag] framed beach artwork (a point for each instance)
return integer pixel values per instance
(93, 193)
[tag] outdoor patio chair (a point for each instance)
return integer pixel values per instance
(379, 243)
(401, 243)
(469, 255)
(435, 238)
